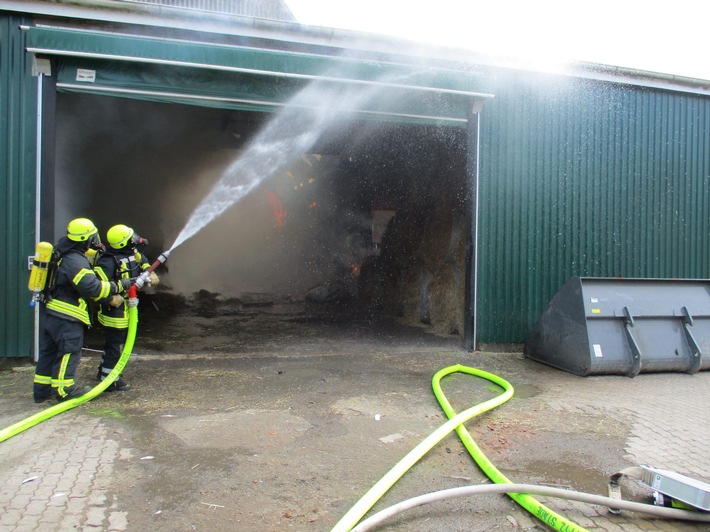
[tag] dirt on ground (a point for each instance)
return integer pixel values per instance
(265, 414)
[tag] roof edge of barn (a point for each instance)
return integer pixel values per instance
(178, 18)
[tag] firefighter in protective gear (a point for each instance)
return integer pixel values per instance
(65, 314)
(120, 262)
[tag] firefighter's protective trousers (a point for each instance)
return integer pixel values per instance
(59, 356)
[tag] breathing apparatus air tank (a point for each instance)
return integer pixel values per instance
(40, 270)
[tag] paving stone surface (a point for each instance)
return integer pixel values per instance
(90, 468)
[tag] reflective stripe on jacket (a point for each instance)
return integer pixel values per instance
(114, 267)
(76, 282)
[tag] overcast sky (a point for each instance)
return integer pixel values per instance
(668, 37)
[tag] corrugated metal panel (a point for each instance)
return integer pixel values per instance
(17, 189)
(589, 179)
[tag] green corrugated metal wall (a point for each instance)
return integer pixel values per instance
(17, 189)
(587, 178)
(577, 178)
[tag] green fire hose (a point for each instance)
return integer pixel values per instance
(456, 421)
(528, 502)
(52, 411)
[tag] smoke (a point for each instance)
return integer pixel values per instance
(289, 234)
(281, 228)
(278, 208)
(292, 132)
(149, 166)
(117, 159)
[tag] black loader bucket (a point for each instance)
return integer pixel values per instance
(597, 326)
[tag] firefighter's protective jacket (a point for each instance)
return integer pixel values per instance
(76, 282)
(114, 265)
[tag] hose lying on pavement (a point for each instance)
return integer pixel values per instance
(52, 411)
(350, 519)
(518, 492)
(464, 491)
(544, 514)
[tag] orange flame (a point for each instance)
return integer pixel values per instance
(278, 209)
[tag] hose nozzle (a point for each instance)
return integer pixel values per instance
(143, 277)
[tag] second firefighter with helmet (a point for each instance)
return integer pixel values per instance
(120, 260)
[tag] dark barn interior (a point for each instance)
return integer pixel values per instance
(370, 222)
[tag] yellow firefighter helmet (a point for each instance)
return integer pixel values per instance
(119, 236)
(81, 230)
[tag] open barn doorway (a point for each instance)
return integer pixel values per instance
(366, 228)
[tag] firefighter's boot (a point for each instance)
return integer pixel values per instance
(73, 392)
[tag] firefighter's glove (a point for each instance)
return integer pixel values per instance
(153, 279)
(116, 301)
(124, 284)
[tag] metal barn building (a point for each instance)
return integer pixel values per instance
(512, 180)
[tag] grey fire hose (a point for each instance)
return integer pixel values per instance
(532, 489)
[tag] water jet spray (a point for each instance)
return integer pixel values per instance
(317, 109)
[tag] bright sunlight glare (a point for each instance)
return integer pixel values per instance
(664, 37)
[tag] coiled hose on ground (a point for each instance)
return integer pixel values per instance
(528, 502)
(350, 519)
(518, 492)
(52, 411)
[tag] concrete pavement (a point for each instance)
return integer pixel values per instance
(559, 429)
